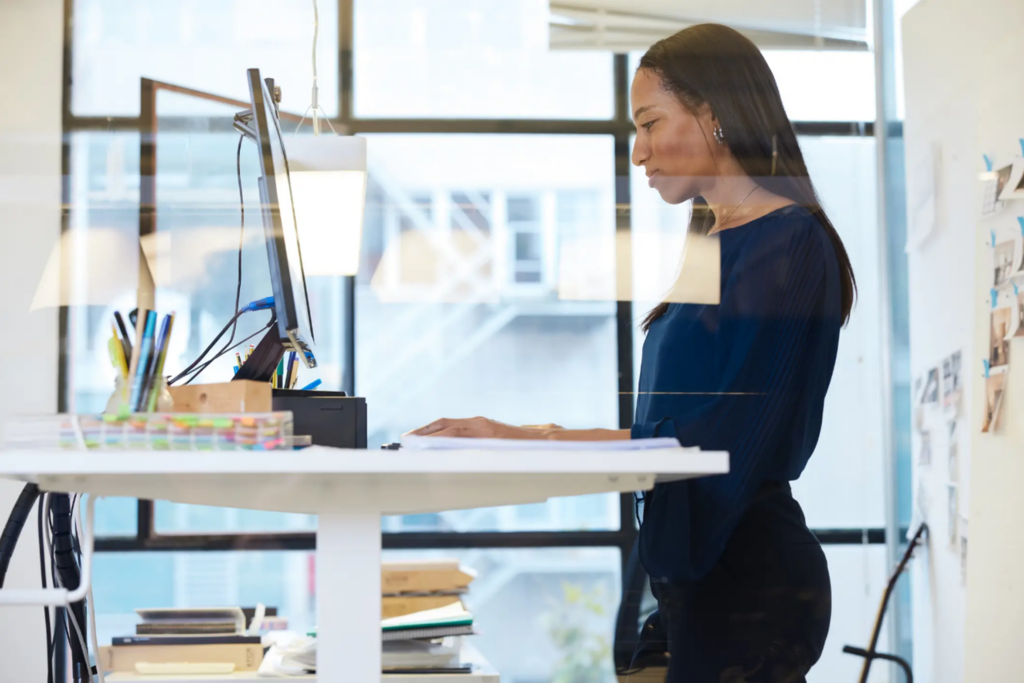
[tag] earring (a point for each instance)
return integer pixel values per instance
(719, 135)
(775, 153)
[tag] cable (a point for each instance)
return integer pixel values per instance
(223, 351)
(91, 604)
(42, 576)
(241, 235)
(202, 355)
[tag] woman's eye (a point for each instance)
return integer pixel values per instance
(647, 126)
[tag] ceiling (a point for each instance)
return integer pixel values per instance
(626, 25)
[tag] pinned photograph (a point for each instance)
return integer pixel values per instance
(924, 456)
(952, 383)
(963, 560)
(930, 394)
(994, 385)
(952, 512)
(1003, 180)
(1018, 315)
(999, 348)
(1011, 185)
(954, 467)
(1004, 260)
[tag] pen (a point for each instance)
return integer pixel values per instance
(159, 358)
(289, 370)
(126, 341)
(312, 385)
(133, 364)
(294, 374)
(143, 358)
(280, 374)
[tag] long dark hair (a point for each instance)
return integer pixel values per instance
(713, 64)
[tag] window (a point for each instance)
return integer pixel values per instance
(201, 45)
(489, 281)
(461, 59)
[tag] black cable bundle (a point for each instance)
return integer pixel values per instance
(66, 566)
(15, 523)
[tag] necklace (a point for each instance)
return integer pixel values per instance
(729, 215)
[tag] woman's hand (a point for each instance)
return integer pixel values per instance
(480, 428)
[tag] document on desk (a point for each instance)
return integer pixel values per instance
(444, 443)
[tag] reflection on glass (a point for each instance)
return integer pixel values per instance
(458, 310)
(206, 46)
(481, 59)
(818, 85)
(842, 483)
(556, 604)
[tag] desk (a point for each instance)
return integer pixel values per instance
(350, 490)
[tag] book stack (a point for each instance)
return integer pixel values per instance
(410, 587)
(424, 618)
(204, 640)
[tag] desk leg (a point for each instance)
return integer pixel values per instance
(348, 596)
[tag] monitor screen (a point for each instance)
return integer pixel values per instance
(291, 301)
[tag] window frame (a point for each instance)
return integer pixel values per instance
(620, 128)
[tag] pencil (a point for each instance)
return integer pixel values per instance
(289, 370)
(166, 327)
(238, 359)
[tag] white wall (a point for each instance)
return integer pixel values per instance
(963, 93)
(31, 39)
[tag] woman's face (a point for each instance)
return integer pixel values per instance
(673, 144)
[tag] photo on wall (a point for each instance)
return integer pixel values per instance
(924, 456)
(1011, 186)
(930, 394)
(952, 513)
(1003, 180)
(999, 347)
(1018, 315)
(952, 383)
(994, 386)
(1004, 260)
(952, 459)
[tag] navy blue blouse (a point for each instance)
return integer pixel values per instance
(747, 376)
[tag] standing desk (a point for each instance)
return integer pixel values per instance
(350, 490)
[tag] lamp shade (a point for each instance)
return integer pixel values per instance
(328, 179)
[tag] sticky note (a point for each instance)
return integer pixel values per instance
(988, 163)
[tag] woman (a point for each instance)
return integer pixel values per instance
(742, 584)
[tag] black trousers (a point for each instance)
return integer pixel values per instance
(762, 614)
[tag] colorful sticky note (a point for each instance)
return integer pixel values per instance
(995, 296)
(988, 163)
(984, 363)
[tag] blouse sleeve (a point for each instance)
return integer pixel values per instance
(767, 310)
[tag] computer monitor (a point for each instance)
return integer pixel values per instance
(291, 301)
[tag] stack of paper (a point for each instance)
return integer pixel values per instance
(428, 641)
(444, 443)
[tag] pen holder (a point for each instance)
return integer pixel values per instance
(118, 401)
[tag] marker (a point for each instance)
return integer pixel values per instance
(279, 375)
(312, 385)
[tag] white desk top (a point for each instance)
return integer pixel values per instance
(319, 479)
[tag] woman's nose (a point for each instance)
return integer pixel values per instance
(639, 153)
